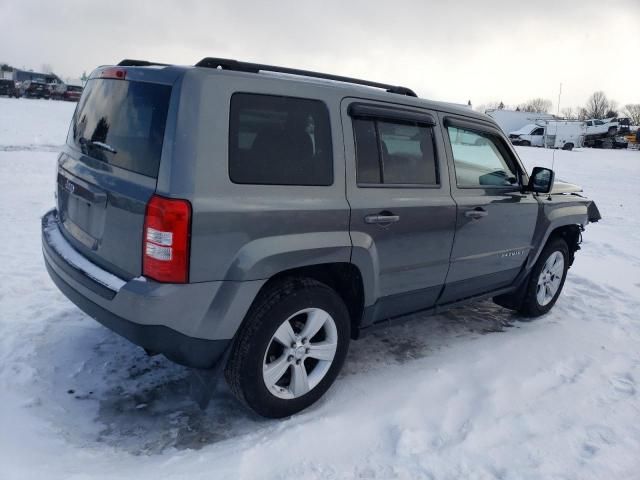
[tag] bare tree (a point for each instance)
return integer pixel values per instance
(583, 114)
(46, 68)
(632, 110)
(536, 105)
(598, 105)
(569, 113)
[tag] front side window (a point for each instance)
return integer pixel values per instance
(276, 140)
(478, 160)
(538, 131)
(389, 152)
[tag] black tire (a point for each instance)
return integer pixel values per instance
(525, 143)
(530, 306)
(567, 146)
(244, 369)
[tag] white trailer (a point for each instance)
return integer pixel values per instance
(565, 134)
(510, 120)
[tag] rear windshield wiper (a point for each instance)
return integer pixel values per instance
(101, 145)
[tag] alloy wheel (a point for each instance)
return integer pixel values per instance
(300, 353)
(550, 278)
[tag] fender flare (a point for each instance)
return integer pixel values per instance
(562, 215)
(265, 257)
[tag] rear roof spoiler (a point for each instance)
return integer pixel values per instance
(127, 62)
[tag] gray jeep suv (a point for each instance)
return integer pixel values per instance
(263, 217)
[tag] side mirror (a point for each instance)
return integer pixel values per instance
(541, 180)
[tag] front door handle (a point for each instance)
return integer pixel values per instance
(476, 213)
(382, 218)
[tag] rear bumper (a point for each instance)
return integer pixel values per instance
(191, 324)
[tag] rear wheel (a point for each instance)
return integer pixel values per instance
(290, 349)
(547, 279)
(567, 146)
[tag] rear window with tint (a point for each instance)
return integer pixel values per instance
(277, 140)
(122, 123)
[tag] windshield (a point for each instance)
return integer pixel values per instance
(122, 123)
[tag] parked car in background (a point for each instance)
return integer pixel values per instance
(35, 89)
(565, 134)
(530, 135)
(8, 88)
(71, 93)
(624, 124)
(602, 127)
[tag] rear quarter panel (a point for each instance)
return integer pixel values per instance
(248, 232)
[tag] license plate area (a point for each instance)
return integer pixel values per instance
(82, 209)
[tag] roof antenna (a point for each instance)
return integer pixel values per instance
(553, 153)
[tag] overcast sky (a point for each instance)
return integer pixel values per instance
(452, 50)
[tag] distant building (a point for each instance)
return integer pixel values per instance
(19, 75)
(22, 75)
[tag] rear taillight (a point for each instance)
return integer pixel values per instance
(165, 248)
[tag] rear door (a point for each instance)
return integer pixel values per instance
(495, 219)
(402, 213)
(109, 168)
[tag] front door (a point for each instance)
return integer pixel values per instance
(537, 137)
(402, 213)
(495, 220)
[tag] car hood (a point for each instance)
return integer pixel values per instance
(572, 191)
(561, 187)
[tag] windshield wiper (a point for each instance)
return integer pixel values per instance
(101, 145)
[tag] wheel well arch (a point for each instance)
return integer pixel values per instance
(343, 277)
(572, 234)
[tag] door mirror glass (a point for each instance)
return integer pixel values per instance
(541, 180)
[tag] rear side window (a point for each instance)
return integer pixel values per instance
(389, 152)
(276, 140)
(478, 160)
(122, 123)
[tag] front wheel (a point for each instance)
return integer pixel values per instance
(547, 279)
(290, 348)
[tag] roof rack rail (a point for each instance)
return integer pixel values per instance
(127, 62)
(235, 65)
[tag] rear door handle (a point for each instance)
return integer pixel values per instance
(382, 218)
(476, 213)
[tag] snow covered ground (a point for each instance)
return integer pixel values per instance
(473, 394)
